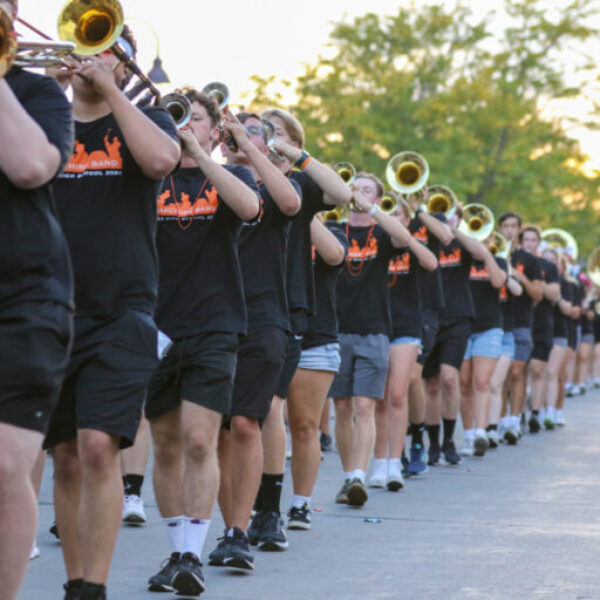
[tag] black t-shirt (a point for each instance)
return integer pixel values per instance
(560, 319)
(323, 325)
(506, 301)
(201, 285)
(430, 282)
(300, 283)
(34, 260)
(363, 299)
(486, 298)
(107, 207)
(405, 298)
(586, 324)
(577, 297)
(455, 263)
(526, 263)
(543, 312)
(263, 247)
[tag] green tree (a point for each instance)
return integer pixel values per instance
(465, 94)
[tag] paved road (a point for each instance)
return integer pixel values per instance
(521, 523)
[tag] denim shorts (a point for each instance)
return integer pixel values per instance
(508, 345)
(560, 341)
(321, 358)
(523, 344)
(587, 338)
(406, 339)
(486, 343)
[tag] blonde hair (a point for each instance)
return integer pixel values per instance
(290, 123)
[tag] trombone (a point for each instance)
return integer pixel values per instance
(389, 203)
(346, 171)
(561, 240)
(340, 214)
(407, 172)
(477, 222)
(499, 245)
(441, 199)
(271, 137)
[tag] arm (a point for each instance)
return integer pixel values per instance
(565, 307)
(234, 192)
(425, 256)
(326, 244)
(334, 189)
(156, 153)
(440, 230)
(479, 251)
(514, 287)
(27, 157)
(575, 312)
(534, 289)
(552, 292)
(279, 186)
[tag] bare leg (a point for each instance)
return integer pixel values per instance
(496, 384)
(344, 425)
(381, 431)
(537, 369)
(483, 369)
(467, 404)
(517, 383)
(562, 378)
(225, 480)
(596, 363)
(135, 459)
(416, 395)
(324, 422)
(450, 384)
(555, 361)
(433, 390)
(363, 434)
(273, 439)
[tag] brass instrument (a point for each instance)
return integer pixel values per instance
(407, 172)
(499, 245)
(179, 107)
(271, 137)
(593, 267)
(561, 240)
(477, 222)
(441, 199)
(389, 203)
(346, 171)
(340, 214)
(220, 93)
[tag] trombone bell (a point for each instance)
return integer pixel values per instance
(219, 91)
(441, 199)
(346, 171)
(477, 222)
(340, 214)
(407, 172)
(561, 240)
(498, 245)
(389, 204)
(92, 25)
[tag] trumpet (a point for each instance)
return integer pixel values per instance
(271, 137)
(407, 172)
(389, 203)
(220, 93)
(561, 240)
(340, 214)
(441, 199)
(346, 171)
(477, 222)
(593, 267)
(499, 245)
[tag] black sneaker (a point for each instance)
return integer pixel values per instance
(215, 558)
(433, 454)
(237, 550)
(534, 424)
(161, 582)
(188, 579)
(357, 493)
(326, 442)
(451, 456)
(73, 589)
(54, 530)
(299, 518)
(342, 496)
(268, 532)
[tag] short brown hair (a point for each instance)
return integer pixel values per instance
(292, 126)
(510, 215)
(209, 103)
(533, 228)
(127, 35)
(374, 179)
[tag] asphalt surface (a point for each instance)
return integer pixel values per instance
(521, 523)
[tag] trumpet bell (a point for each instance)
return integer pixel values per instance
(561, 240)
(219, 91)
(179, 107)
(477, 222)
(499, 245)
(441, 199)
(407, 172)
(593, 267)
(389, 204)
(271, 134)
(340, 214)
(92, 25)
(346, 171)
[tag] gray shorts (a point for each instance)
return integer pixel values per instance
(364, 366)
(523, 344)
(560, 341)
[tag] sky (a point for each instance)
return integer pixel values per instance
(231, 40)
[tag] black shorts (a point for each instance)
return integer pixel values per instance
(293, 349)
(260, 360)
(105, 387)
(429, 328)
(541, 350)
(200, 369)
(450, 346)
(35, 340)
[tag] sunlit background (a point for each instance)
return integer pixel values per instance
(230, 41)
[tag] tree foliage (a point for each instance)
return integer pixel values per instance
(465, 94)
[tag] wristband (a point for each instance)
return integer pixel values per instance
(420, 209)
(303, 160)
(374, 210)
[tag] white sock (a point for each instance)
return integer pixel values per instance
(468, 434)
(357, 473)
(195, 535)
(300, 501)
(380, 464)
(348, 474)
(175, 533)
(395, 464)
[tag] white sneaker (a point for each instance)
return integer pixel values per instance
(467, 448)
(133, 510)
(35, 551)
(394, 480)
(379, 475)
(480, 443)
(559, 418)
(502, 427)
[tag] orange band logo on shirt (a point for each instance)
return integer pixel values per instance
(520, 267)
(203, 205)
(421, 234)
(368, 252)
(503, 294)
(479, 273)
(399, 265)
(109, 159)
(450, 259)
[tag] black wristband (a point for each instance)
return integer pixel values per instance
(303, 160)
